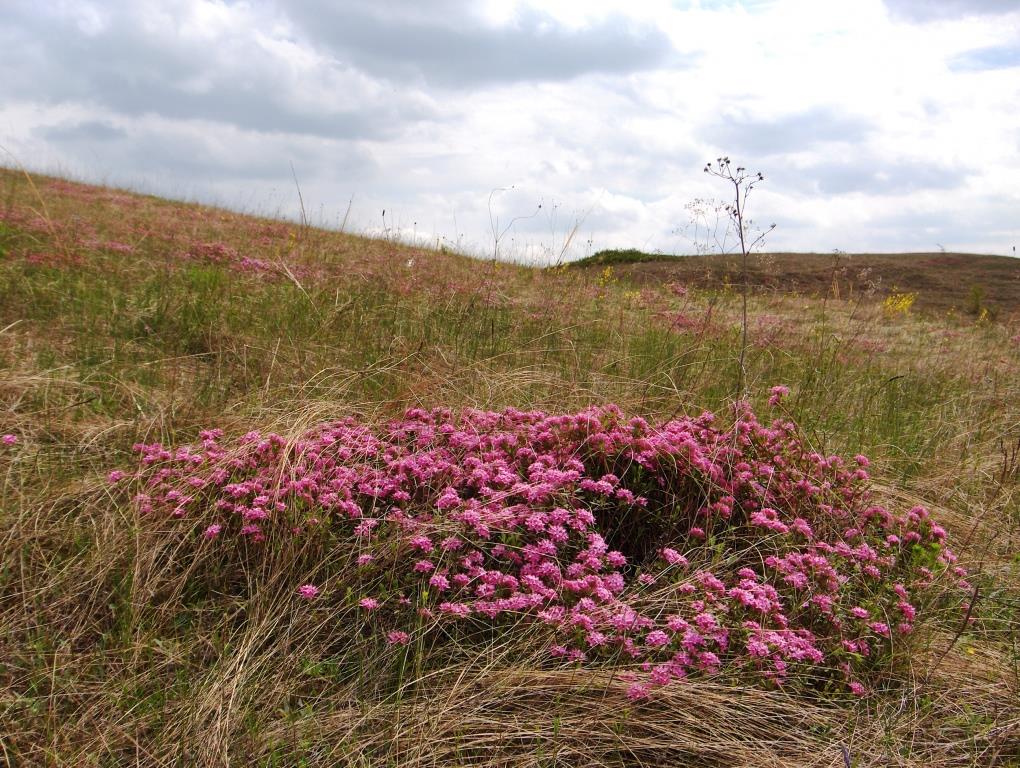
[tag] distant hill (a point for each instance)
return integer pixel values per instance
(942, 281)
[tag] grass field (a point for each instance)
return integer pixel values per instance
(950, 283)
(130, 638)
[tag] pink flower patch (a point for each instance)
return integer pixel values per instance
(521, 517)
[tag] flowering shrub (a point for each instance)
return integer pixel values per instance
(685, 546)
(898, 303)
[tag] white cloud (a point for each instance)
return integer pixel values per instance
(879, 125)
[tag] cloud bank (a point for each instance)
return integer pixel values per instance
(882, 126)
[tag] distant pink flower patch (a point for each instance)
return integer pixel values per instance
(871, 345)
(111, 245)
(116, 476)
(368, 603)
(308, 591)
(772, 331)
(9, 439)
(228, 256)
(678, 289)
(681, 321)
(212, 531)
(51, 259)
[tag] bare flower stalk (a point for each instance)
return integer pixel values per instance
(743, 183)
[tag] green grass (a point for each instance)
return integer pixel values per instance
(613, 256)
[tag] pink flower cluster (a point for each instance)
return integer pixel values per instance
(777, 393)
(684, 546)
(225, 255)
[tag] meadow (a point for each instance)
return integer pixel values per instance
(276, 495)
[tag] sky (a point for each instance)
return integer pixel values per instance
(537, 131)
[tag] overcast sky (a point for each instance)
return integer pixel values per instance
(882, 126)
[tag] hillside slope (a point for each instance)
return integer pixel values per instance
(960, 282)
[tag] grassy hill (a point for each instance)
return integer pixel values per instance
(963, 283)
(172, 374)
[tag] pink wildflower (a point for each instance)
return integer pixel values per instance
(368, 603)
(616, 559)
(422, 543)
(308, 591)
(397, 637)
(440, 582)
(656, 639)
(9, 439)
(673, 557)
(637, 692)
(777, 394)
(456, 609)
(661, 674)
